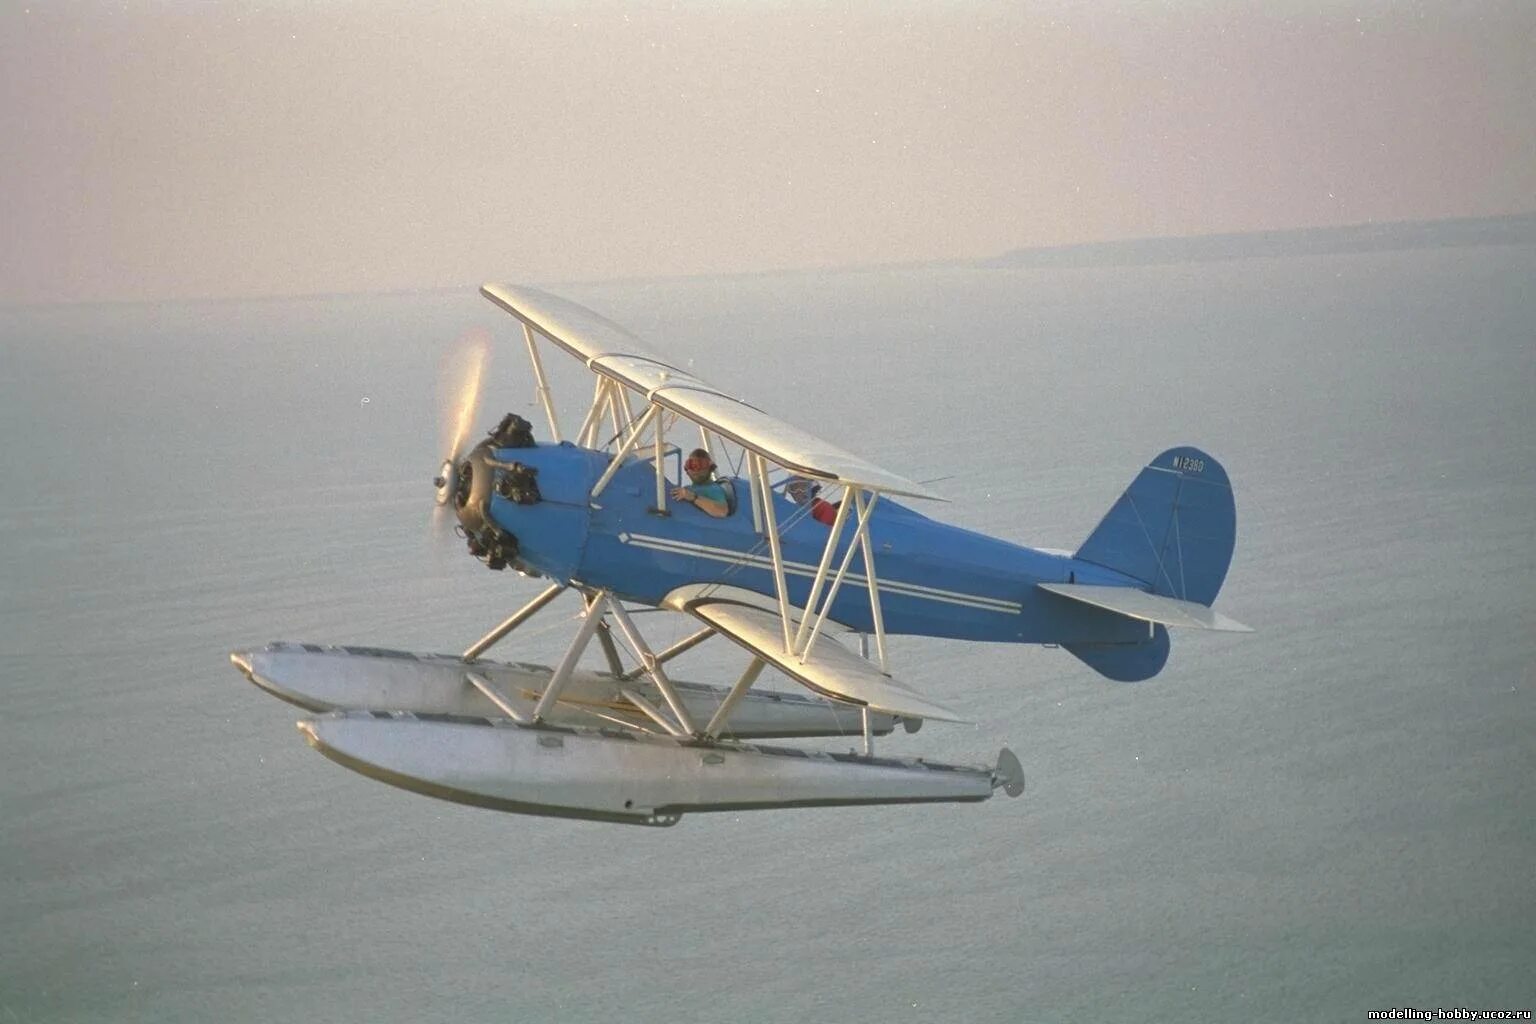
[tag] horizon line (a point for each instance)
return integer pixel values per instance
(994, 261)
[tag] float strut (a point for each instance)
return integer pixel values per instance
(688, 643)
(650, 710)
(483, 684)
(572, 656)
(869, 735)
(610, 650)
(514, 620)
(723, 712)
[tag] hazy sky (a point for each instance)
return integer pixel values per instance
(179, 150)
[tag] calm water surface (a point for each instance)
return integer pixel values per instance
(1330, 816)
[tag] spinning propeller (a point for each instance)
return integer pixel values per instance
(468, 473)
(461, 378)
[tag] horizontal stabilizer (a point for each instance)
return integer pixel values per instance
(1138, 604)
(831, 670)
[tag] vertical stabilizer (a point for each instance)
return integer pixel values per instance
(1173, 528)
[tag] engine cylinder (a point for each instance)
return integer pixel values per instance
(472, 490)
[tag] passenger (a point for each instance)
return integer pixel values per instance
(802, 491)
(706, 493)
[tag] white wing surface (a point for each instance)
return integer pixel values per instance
(831, 670)
(609, 349)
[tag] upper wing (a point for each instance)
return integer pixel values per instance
(614, 352)
(831, 669)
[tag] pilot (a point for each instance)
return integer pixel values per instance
(706, 493)
(802, 491)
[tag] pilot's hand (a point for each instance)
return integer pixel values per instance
(681, 494)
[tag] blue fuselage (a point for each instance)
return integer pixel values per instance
(933, 579)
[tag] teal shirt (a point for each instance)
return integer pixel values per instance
(712, 490)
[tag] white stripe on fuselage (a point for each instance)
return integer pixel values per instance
(678, 547)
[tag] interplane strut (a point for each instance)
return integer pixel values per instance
(624, 376)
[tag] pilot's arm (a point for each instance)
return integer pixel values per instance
(709, 506)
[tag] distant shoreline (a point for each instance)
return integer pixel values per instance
(1510, 229)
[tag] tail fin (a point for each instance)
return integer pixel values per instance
(1173, 528)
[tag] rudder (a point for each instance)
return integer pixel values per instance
(1173, 528)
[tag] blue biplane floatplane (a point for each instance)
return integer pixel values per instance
(813, 597)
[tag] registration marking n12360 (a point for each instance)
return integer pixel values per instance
(1188, 464)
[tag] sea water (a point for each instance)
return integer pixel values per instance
(1332, 815)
